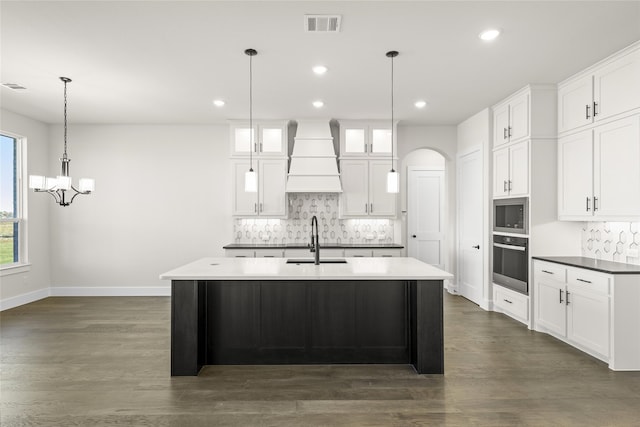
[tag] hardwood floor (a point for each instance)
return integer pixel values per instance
(105, 361)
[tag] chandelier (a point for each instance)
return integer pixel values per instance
(61, 187)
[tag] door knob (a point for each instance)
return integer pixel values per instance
(414, 236)
(476, 247)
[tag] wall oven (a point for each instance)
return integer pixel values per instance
(511, 263)
(511, 215)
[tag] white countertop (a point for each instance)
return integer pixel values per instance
(391, 268)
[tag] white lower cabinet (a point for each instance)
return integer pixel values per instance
(598, 313)
(511, 303)
(367, 253)
(306, 253)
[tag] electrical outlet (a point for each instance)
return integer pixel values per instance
(633, 253)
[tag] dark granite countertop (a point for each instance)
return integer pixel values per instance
(609, 267)
(323, 245)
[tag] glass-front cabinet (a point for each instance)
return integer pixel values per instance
(365, 138)
(270, 138)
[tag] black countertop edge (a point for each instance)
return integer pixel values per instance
(602, 266)
(301, 246)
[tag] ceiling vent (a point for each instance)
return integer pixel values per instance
(13, 86)
(322, 23)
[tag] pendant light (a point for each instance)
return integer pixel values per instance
(60, 185)
(393, 179)
(250, 177)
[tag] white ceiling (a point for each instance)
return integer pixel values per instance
(165, 61)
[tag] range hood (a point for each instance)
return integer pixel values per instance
(313, 168)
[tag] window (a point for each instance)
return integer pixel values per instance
(11, 213)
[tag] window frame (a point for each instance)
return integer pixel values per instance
(20, 216)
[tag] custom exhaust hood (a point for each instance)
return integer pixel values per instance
(313, 168)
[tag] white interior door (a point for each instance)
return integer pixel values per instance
(426, 223)
(470, 220)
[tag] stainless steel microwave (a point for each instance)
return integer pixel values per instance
(511, 215)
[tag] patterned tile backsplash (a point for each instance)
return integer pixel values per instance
(297, 228)
(611, 241)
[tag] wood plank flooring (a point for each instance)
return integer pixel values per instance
(105, 361)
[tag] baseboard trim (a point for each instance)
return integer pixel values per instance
(142, 291)
(23, 299)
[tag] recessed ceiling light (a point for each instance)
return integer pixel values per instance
(320, 69)
(318, 104)
(420, 104)
(218, 103)
(488, 35)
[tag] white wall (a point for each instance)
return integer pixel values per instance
(443, 140)
(162, 199)
(475, 133)
(17, 289)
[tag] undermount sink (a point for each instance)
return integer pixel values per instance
(312, 261)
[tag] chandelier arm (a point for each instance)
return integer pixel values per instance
(78, 191)
(54, 194)
(74, 196)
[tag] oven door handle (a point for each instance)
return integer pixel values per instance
(512, 247)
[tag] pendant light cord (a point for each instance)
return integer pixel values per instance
(250, 112)
(65, 119)
(392, 170)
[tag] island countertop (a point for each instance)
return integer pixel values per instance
(392, 268)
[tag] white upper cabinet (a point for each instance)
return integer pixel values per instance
(511, 170)
(511, 120)
(608, 90)
(270, 199)
(364, 189)
(270, 138)
(366, 138)
(598, 173)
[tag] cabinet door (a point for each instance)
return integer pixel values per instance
(381, 202)
(354, 200)
(519, 169)
(501, 172)
(575, 176)
(519, 118)
(272, 139)
(617, 86)
(588, 319)
(240, 139)
(616, 169)
(244, 204)
(575, 104)
(550, 305)
(272, 182)
(380, 137)
(354, 139)
(501, 125)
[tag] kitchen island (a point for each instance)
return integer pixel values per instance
(267, 311)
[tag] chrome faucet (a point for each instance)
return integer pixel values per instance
(315, 242)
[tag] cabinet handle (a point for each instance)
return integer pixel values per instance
(387, 256)
(255, 207)
(595, 203)
(561, 301)
(584, 281)
(595, 106)
(504, 133)
(366, 208)
(510, 182)
(366, 148)
(509, 133)
(588, 204)
(371, 210)
(504, 186)
(261, 207)
(261, 147)
(506, 300)
(548, 272)
(587, 111)
(567, 299)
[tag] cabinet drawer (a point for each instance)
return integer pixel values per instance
(595, 282)
(306, 253)
(269, 253)
(387, 252)
(358, 253)
(511, 302)
(555, 272)
(240, 253)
